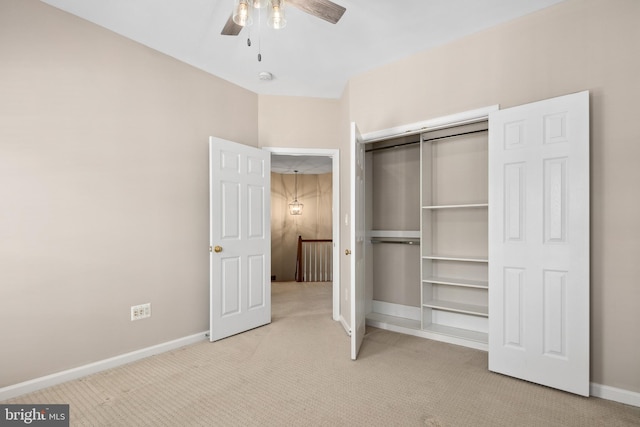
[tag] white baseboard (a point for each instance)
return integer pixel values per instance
(19, 389)
(616, 394)
(345, 325)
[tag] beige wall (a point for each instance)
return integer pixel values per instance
(287, 121)
(578, 45)
(315, 193)
(103, 190)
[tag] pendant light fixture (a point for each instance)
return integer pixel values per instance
(295, 207)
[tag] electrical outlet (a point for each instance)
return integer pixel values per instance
(141, 311)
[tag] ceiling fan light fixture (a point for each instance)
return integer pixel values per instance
(242, 12)
(276, 15)
(277, 18)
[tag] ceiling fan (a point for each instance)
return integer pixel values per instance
(323, 9)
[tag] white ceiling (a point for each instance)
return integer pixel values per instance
(309, 57)
(286, 164)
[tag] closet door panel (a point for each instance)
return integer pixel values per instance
(539, 242)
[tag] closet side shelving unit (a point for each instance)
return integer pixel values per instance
(453, 304)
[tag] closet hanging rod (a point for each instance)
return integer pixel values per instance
(391, 146)
(457, 134)
(399, 241)
(404, 144)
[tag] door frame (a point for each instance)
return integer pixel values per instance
(461, 118)
(334, 154)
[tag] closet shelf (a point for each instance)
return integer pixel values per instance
(456, 258)
(471, 205)
(477, 310)
(457, 332)
(377, 319)
(482, 284)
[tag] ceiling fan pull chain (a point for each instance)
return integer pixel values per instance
(259, 36)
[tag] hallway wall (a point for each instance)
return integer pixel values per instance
(315, 192)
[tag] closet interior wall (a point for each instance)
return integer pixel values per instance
(393, 184)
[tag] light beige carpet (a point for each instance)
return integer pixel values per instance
(297, 372)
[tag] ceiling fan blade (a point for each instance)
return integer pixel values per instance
(323, 9)
(231, 28)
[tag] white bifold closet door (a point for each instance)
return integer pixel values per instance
(539, 242)
(357, 232)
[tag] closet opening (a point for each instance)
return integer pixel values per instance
(426, 218)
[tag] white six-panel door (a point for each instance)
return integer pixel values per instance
(358, 302)
(539, 242)
(240, 238)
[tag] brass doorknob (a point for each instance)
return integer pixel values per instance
(347, 252)
(218, 249)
